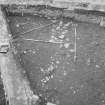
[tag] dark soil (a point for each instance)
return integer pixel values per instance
(54, 73)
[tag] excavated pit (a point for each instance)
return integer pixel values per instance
(63, 59)
(3, 100)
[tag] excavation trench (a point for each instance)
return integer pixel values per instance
(63, 59)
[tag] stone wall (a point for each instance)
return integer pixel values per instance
(98, 5)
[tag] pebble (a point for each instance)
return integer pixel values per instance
(62, 36)
(65, 73)
(66, 45)
(66, 25)
(61, 23)
(64, 32)
(25, 52)
(57, 62)
(17, 25)
(10, 35)
(97, 66)
(35, 97)
(34, 52)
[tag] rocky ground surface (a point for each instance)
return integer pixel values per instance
(64, 59)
